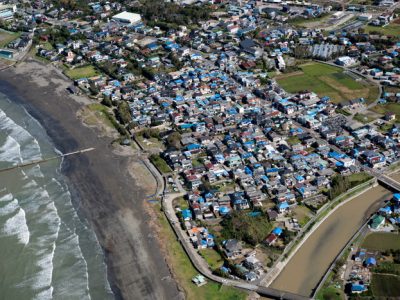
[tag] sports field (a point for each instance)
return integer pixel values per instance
(329, 81)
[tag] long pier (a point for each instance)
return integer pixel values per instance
(40, 161)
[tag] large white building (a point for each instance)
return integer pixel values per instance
(127, 18)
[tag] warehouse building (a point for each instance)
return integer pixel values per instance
(127, 18)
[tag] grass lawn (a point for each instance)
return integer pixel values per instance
(385, 285)
(327, 80)
(7, 37)
(181, 202)
(381, 241)
(103, 112)
(225, 187)
(46, 45)
(293, 140)
(212, 257)
(197, 162)
(358, 178)
(82, 72)
(309, 23)
(150, 143)
(389, 107)
(391, 29)
(302, 214)
(160, 164)
(330, 293)
(184, 271)
(363, 118)
(385, 127)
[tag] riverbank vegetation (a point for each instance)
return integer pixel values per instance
(340, 184)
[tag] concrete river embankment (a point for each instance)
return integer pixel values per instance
(308, 265)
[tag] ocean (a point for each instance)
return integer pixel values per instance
(46, 250)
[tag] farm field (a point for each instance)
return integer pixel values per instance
(383, 285)
(381, 241)
(82, 72)
(327, 80)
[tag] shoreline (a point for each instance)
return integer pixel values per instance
(102, 188)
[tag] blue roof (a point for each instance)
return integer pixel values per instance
(283, 205)
(357, 287)
(224, 210)
(385, 209)
(370, 261)
(186, 214)
(277, 231)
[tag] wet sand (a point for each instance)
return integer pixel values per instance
(309, 264)
(103, 191)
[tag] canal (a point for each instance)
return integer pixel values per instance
(309, 264)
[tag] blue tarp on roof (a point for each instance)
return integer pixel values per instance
(277, 231)
(371, 261)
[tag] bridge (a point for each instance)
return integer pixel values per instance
(384, 180)
(40, 161)
(389, 182)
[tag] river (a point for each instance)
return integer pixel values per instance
(308, 265)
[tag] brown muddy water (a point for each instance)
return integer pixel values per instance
(309, 264)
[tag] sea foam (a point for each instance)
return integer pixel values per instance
(16, 225)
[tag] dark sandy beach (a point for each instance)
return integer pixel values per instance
(104, 192)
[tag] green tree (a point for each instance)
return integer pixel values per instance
(123, 113)
(174, 140)
(241, 226)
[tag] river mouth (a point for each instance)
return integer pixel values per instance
(303, 272)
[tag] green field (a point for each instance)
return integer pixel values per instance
(160, 164)
(330, 293)
(385, 285)
(363, 118)
(327, 80)
(358, 178)
(184, 271)
(391, 29)
(302, 214)
(381, 241)
(82, 72)
(389, 107)
(212, 257)
(7, 37)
